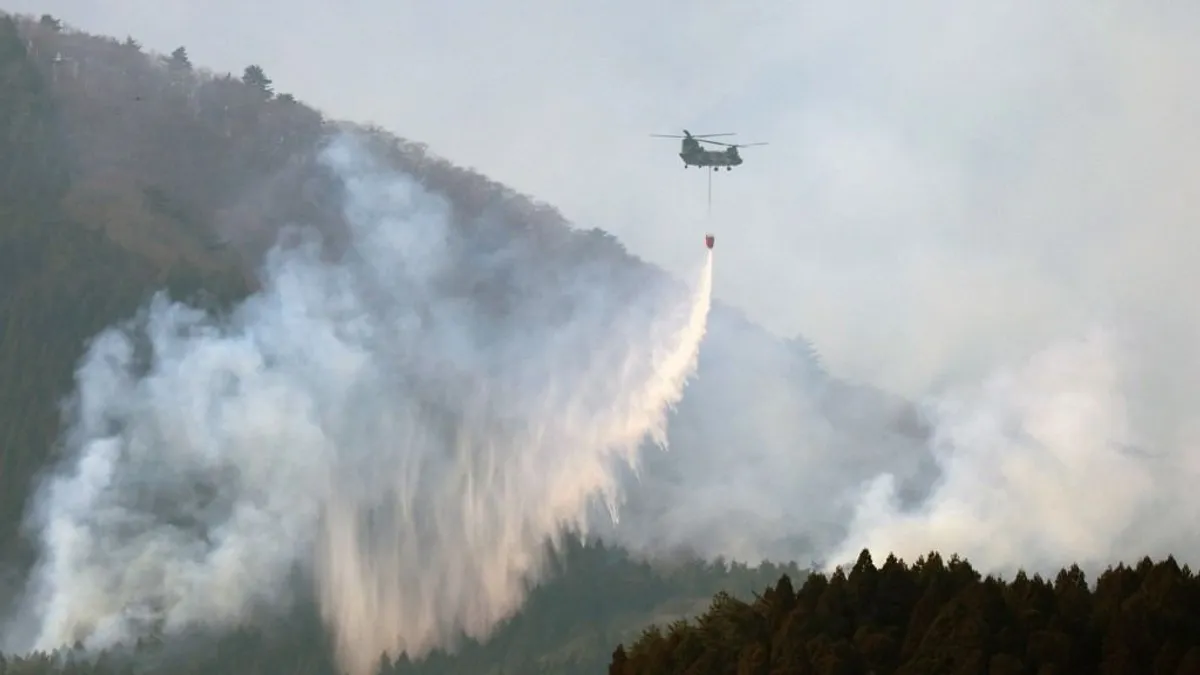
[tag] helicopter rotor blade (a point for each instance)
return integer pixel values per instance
(734, 145)
(699, 137)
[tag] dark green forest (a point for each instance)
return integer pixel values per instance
(938, 616)
(123, 172)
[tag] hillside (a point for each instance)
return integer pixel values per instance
(598, 598)
(123, 173)
(936, 616)
(137, 171)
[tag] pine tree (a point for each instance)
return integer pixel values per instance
(179, 60)
(254, 76)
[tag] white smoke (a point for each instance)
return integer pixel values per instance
(376, 421)
(1081, 452)
(1041, 467)
(1078, 453)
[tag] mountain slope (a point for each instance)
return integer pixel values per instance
(127, 172)
(188, 177)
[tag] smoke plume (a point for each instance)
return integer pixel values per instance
(1042, 465)
(1077, 452)
(409, 424)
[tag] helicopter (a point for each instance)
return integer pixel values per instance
(693, 155)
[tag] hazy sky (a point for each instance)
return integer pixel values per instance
(947, 184)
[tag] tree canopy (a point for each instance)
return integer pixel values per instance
(936, 617)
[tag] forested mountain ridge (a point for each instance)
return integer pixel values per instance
(124, 172)
(130, 171)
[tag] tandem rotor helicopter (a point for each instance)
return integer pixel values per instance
(693, 155)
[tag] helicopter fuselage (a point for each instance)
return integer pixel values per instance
(693, 155)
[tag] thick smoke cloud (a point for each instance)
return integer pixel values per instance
(1042, 465)
(372, 421)
(769, 455)
(953, 201)
(1076, 453)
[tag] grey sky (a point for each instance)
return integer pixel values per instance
(947, 184)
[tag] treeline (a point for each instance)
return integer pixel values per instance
(938, 617)
(935, 617)
(596, 597)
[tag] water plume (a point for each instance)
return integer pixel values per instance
(408, 424)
